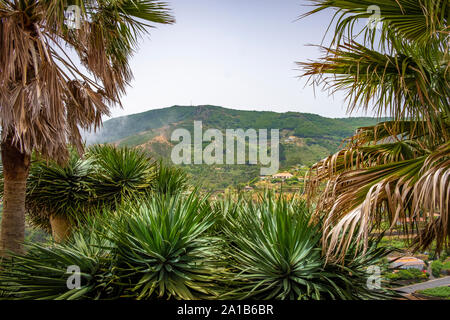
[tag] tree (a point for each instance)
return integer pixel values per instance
(397, 170)
(46, 97)
(60, 197)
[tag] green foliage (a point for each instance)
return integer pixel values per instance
(42, 272)
(274, 252)
(436, 268)
(105, 177)
(407, 274)
(119, 173)
(301, 124)
(157, 249)
(56, 189)
(440, 292)
(185, 247)
(163, 250)
(169, 180)
(324, 136)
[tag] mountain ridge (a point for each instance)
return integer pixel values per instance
(305, 138)
(124, 126)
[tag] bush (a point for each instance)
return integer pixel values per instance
(42, 272)
(163, 250)
(170, 180)
(105, 177)
(273, 252)
(157, 249)
(183, 247)
(119, 173)
(436, 268)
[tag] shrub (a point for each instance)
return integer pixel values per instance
(163, 249)
(41, 273)
(53, 189)
(407, 274)
(436, 268)
(274, 252)
(157, 249)
(182, 247)
(446, 268)
(104, 178)
(119, 173)
(440, 292)
(170, 180)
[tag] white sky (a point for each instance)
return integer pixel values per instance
(233, 53)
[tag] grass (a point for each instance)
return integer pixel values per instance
(439, 292)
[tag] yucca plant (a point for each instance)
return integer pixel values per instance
(55, 191)
(43, 273)
(120, 173)
(397, 170)
(59, 196)
(170, 180)
(158, 248)
(163, 249)
(274, 252)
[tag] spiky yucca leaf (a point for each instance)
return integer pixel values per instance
(163, 249)
(44, 272)
(169, 180)
(120, 173)
(275, 253)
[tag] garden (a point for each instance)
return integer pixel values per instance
(137, 230)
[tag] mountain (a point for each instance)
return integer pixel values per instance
(305, 138)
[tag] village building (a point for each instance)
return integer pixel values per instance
(283, 176)
(408, 263)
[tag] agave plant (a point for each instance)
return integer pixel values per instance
(397, 170)
(274, 252)
(163, 249)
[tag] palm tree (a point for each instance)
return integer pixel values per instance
(399, 169)
(46, 97)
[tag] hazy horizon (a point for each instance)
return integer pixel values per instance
(237, 54)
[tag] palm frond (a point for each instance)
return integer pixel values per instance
(46, 97)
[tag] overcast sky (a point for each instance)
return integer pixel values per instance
(233, 53)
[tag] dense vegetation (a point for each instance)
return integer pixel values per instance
(185, 246)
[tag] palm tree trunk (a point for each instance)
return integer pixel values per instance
(15, 172)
